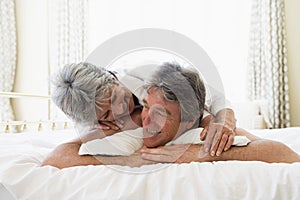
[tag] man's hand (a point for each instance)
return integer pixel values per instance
(181, 153)
(134, 160)
(220, 132)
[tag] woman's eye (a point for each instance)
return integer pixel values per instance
(106, 115)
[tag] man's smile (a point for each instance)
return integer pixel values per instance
(150, 132)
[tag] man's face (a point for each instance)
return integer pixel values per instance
(161, 119)
(118, 103)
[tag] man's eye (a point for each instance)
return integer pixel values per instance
(160, 113)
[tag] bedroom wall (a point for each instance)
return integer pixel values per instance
(293, 47)
(31, 73)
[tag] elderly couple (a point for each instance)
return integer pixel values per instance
(167, 105)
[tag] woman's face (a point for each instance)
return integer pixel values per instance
(118, 103)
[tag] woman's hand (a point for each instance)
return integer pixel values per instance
(219, 132)
(107, 125)
(127, 122)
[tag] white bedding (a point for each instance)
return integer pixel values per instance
(22, 178)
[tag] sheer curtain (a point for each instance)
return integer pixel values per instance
(8, 45)
(221, 28)
(268, 61)
(67, 36)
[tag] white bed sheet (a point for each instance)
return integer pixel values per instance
(22, 178)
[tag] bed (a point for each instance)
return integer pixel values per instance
(22, 178)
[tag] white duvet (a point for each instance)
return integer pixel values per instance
(22, 178)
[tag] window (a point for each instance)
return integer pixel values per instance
(219, 27)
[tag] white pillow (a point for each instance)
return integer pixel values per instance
(124, 143)
(127, 142)
(193, 137)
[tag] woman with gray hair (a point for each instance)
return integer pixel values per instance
(89, 94)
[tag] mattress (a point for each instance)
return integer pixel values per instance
(21, 176)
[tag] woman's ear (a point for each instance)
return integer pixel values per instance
(191, 123)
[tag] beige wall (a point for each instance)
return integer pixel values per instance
(32, 73)
(293, 45)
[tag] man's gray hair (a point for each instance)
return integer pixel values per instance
(77, 86)
(181, 85)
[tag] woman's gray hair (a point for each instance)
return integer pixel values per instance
(181, 85)
(77, 86)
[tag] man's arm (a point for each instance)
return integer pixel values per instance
(263, 150)
(66, 155)
(257, 150)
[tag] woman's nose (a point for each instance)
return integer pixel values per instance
(119, 109)
(110, 117)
